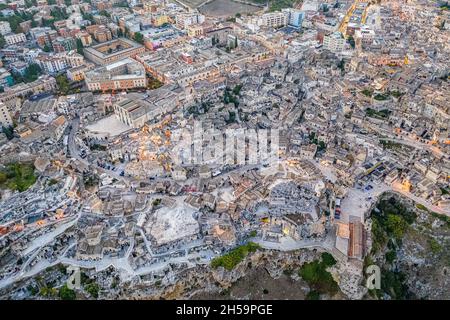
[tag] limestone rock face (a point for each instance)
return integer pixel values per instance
(202, 279)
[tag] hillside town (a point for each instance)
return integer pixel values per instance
(153, 137)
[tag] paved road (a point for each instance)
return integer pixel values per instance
(73, 148)
(416, 144)
(423, 202)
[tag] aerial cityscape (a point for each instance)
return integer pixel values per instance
(224, 149)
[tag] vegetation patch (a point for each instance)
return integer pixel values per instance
(390, 220)
(441, 217)
(235, 256)
(318, 278)
(154, 83)
(67, 294)
(93, 289)
(382, 114)
(391, 145)
(320, 144)
(435, 247)
(97, 147)
(367, 92)
(381, 97)
(232, 95)
(393, 283)
(396, 94)
(17, 176)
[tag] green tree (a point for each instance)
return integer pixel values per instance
(48, 292)
(9, 132)
(48, 22)
(351, 41)
(63, 84)
(59, 14)
(318, 278)
(104, 13)
(396, 225)
(2, 42)
(89, 17)
(92, 289)
(328, 260)
(80, 47)
(46, 48)
(67, 294)
(139, 38)
(32, 72)
(14, 22)
(28, 3)
(313, 295)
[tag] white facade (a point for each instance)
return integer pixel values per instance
(334, 42)
(365, 35)
(52, 64)
(5, 116)
(185, 20)
(274, 19)
(13, 38)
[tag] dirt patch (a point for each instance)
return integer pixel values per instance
(226, 8)
(259, 285)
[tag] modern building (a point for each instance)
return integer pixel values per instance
(43, 84)
(273, 19)
(6, 80)
(86, 38)
(364, 36)
(19, 67)
(334, 42)
(51, 63)
(44, 36)
(100, 32)
(185, 20)
(295, 17)
(78, 73)
(195, 30)
(62, 44)
(13, 38)
(5, 116)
